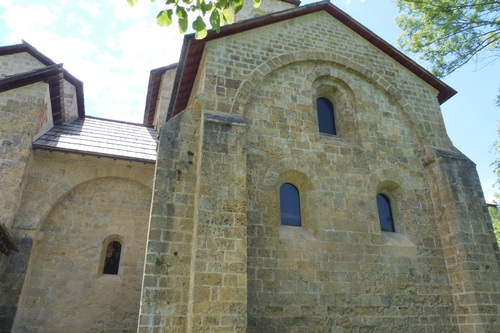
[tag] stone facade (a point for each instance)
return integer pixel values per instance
(214, 257)
(62, 207)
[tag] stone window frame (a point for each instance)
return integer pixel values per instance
(394, 193)
(340, 95)
(104, 246)
(304, 186)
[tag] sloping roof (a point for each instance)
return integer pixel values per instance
(192, 50)
(26, 47)
(102, 137)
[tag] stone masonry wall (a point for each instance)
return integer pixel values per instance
(339, 272)
(71, 204)
(469, 245)
(167, 83)
(18, 63)
(253, 115)
(198, 227)
(20, 110)
(235, 64)
(266, 7)
(70, 102)
(165, 290)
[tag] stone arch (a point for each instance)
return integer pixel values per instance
(246, 88)
(67, 251)
(306, 182)
(59, 195)
(292, 169)
(105, 243)
(57, 191)
(404, 203)
(330, 83)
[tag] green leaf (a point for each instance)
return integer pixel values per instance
(181, 13)
(164, 18)
(256, 3)
(206, 7)
(238, 5)
(198, 24)
(221, 4)
(170, 2)
(215, 20)
(183, 24)
(131, 2)
(228, 14)
(201, 34)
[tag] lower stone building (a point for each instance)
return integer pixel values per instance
(293, 173)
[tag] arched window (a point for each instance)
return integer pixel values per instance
(112, 259)
(326, 118)
(289, 205)
(385, 213)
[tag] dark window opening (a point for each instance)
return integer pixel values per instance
(326, 118)
(385, 213)
(112, 260)
(289, 205)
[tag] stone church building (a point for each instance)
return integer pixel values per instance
(292, 174)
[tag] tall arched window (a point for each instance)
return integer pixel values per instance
(112, 259)
(326, 117)
(385, 213)
(289, 205)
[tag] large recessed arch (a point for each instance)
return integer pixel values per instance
(343, 64)
(67, 254)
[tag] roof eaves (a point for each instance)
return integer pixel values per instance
(193, 50)
(95, 154)
(26, 78)
(172, 107)
(27, 47)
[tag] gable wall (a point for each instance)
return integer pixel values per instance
(338, 272)
(17, 63)
(317, 36)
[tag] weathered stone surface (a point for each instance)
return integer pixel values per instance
(338, 271)
(215, 257)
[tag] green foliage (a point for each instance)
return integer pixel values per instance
(449, 33)
(214, 12)
(495, 218)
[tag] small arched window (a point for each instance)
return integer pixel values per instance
(385, 213)
(289, 205)
(326, 117)
(112, 259)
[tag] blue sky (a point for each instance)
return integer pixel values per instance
(112, 47)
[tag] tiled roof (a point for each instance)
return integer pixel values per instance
(102, 137)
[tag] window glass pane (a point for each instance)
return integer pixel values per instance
(289, 205)
(326, 119)
(384, 213)
(112, 260)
